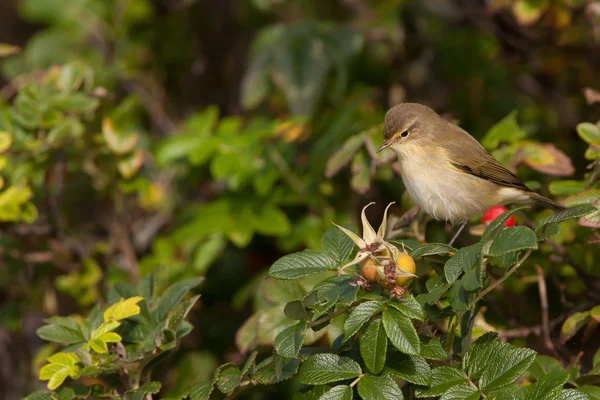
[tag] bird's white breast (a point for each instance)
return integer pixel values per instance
(443, 191)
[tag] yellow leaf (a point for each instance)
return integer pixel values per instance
(118, 142)
(129, 166)
(123, 309)
(60, 366)
(5, 141)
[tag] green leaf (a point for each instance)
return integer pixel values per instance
(201, 391)
(461, 293)
(461, 392)
(60, 366)
(441, 379)
(401, 332)
(143, 391)
(547, 231)
(464, 260)
(566, 394)
(60, 334)
(567, 187)
(5, 141)
(229, 378)
(123, 309)
(546, 384)
(431, 249)
(344, 155)
(341, 392)
(569, 213)
(289, 341)
(513, 239)
(361, 173)
(299, 265)
(506, 365)
(413, 369)
(327, 368)
(497, 225)
(507, 130)
(573, 324)
(409, 307)
(432, 349)
(382, 387)
(337, 245)
(171, 297)
(588, 131)
(373, 346)
(360, 315)
(296, 310)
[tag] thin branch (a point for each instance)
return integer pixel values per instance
(544, 306)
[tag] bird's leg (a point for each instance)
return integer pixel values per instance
(462, 226)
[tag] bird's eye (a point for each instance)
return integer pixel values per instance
(404, 134)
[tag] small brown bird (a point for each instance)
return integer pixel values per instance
(447, 173)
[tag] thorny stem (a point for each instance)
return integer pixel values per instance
(502, 279)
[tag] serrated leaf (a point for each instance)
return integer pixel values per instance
(299, 265)
(546, 384)
(547, 231)
(461, 392)
(360, 315)
(123, 309)
(569, 394)
(289, 341)
(229, 378)
(464, 260)
(505, 365)
(201, 391)
(249, 364)
(441, 379)
(413, 369)
(59, 367)
(569, 213)
(371, 387)
(572, 325)
(327, 368)
(432, 349)
(401, 332)
(337, 245)
(296, 310)
(373, 346)
(341, 392)
(408, 306)
(513, 239)
(431, 249)
(171, 297)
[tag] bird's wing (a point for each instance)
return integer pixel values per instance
(493, 171)
(479, 163)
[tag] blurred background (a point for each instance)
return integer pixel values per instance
(209, 138)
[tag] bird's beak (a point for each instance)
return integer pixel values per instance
(384, 145)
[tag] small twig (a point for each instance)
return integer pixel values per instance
(502, 279)
(544, 306)
(356, 380)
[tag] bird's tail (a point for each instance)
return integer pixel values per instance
(546, 202)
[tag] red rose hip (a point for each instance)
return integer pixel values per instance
(494, 212)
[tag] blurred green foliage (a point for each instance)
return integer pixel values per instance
(188, 138)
